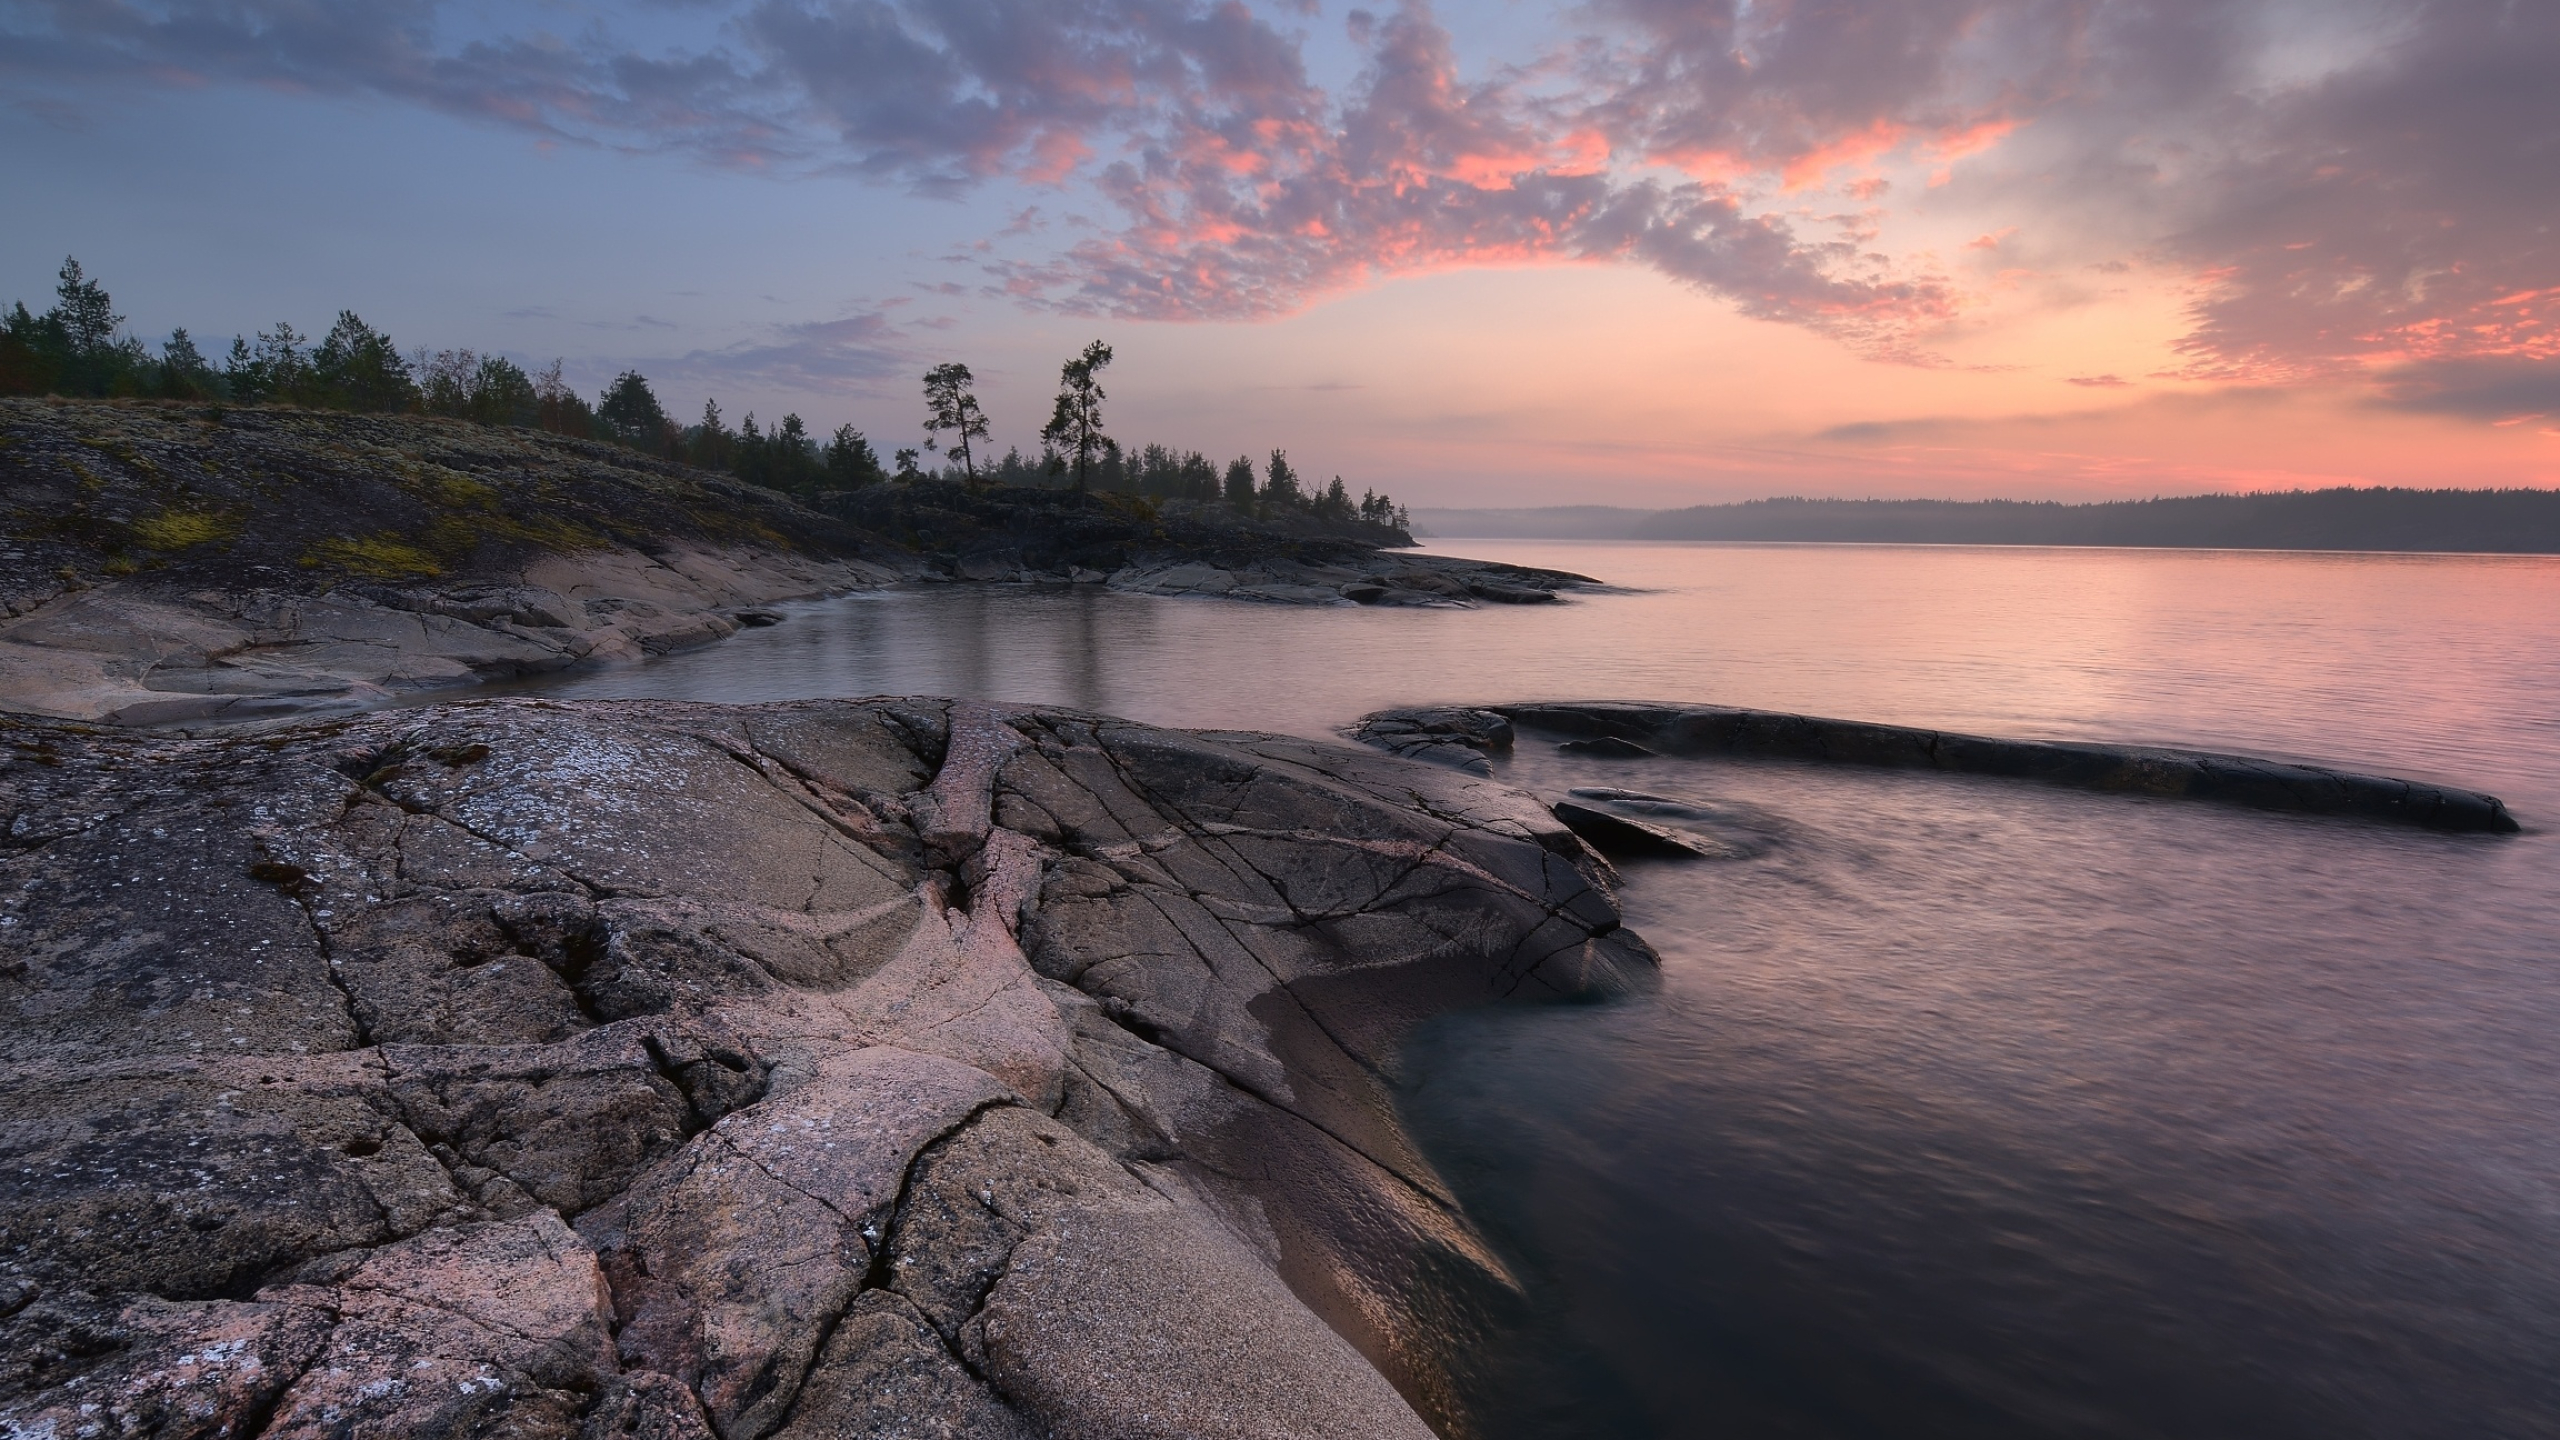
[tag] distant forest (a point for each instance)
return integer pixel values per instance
(79, 347)
(2514, 521)
(2479, 521)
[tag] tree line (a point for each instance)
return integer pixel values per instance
(1074, 445)
(80, 347)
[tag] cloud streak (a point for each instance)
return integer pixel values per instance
(819, 355)
(587, 89)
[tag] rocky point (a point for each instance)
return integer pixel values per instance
(184, 564)
(831, 1068)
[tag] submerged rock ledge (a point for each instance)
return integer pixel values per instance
(1460, 738)
(832, 1068)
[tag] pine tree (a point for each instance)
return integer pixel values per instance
(950, 406)
(273, 369)
(1013, 469)
(81, 307)
(184, 375)
(1075, 426)
(629, 411)
(26, 366)
(1280, 487)
(78, 335)
(502, 394)
(752, 462)
(852, 463)
(709, 444)
(795, 456)
(356, 367)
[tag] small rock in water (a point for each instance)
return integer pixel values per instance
(1617, 836)
(1451, 735)
(1606, 747)
(1616, 796)
(1649, 805)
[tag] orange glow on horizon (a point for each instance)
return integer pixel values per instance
(1548, 384)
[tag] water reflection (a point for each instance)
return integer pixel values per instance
(1055, 646)
(1972, 1110)
(1966, 1108)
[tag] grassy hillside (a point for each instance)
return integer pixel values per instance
(93, 490)
(194, 494)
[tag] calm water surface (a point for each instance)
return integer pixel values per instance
(1964, 1108)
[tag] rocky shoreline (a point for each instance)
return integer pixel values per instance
(830, 1068)
(1463, 737)
(143, 654)
(184, 565)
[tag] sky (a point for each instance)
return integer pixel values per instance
(1508, 253)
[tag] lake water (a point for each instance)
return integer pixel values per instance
(1964, 1107)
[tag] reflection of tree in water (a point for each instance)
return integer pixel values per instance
(1081, 650)
(1039, 644)
(960, 661)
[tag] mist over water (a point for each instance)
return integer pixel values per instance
(1964, 1107)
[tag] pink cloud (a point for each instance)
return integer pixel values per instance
(1235, 214)
(2389, 216)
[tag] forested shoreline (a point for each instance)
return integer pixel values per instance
(2509, 521)
(80, 348)
(2342, 518)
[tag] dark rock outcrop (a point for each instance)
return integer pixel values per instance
(1452, 735)
(1442, 581)
(1178, 547)
(818, 1069)
(1631, 729)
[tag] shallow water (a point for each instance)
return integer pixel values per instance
(1964, 1107)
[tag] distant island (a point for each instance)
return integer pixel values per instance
(2452, 521)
